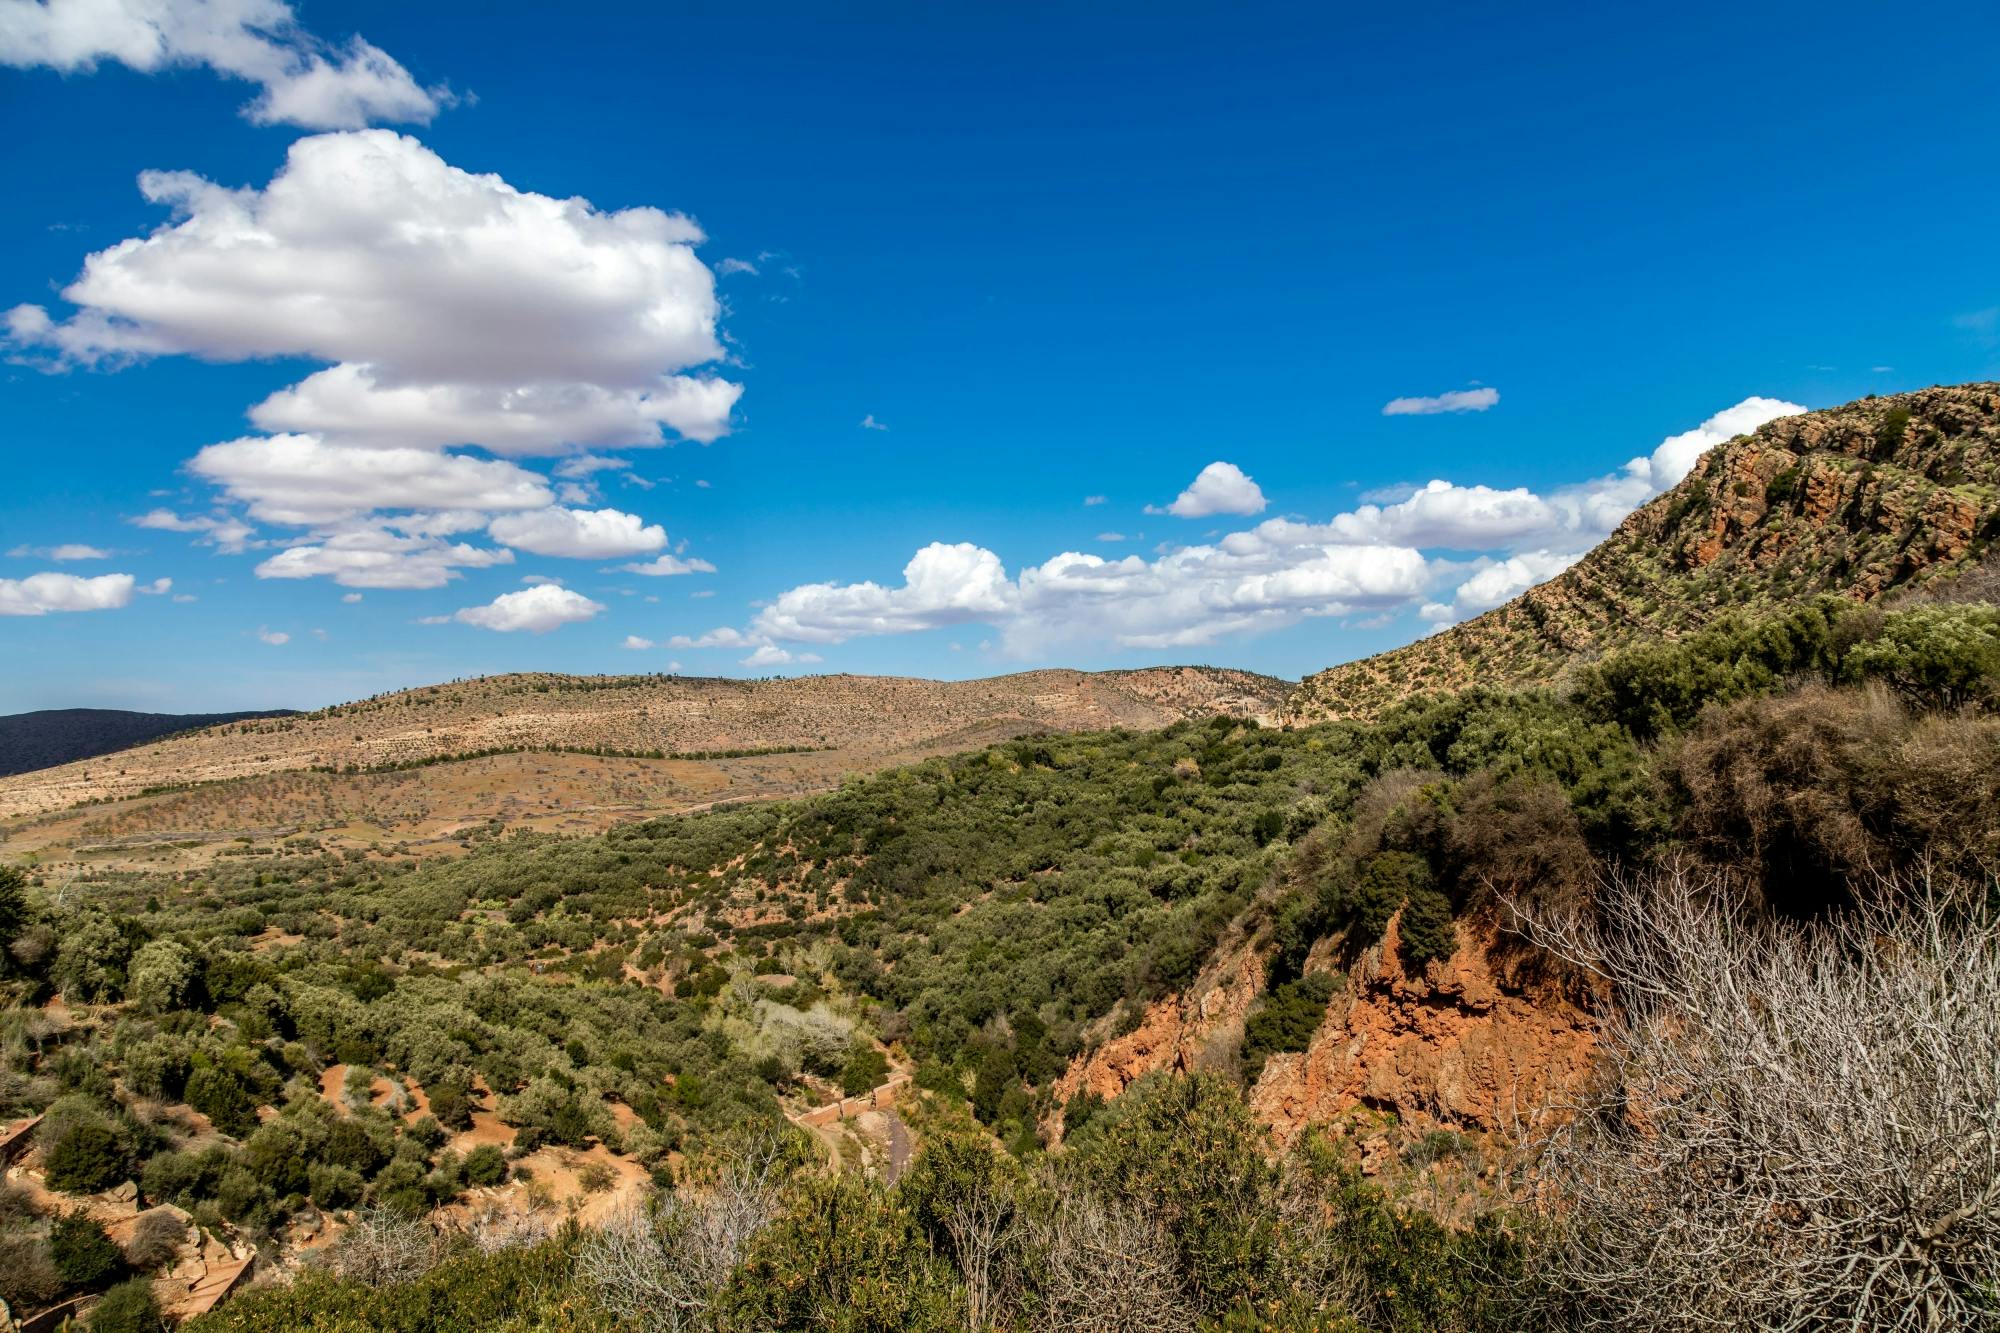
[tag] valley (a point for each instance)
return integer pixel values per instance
(1071, 1000)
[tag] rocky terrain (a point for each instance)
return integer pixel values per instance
(1863, 500)
(1486, 1040)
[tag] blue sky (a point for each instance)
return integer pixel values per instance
(1061, 254)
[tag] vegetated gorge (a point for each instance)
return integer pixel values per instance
(1652, 983)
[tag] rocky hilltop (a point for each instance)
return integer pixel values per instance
(1861, 500)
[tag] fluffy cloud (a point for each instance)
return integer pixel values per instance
(726, 637)
(770, 654)
(302, 480)
(454, 310)
(1447, 515)
(594, 534)
(369, 250)
(365, 555)
(1595, 507)
(304, 81)
(1499, 581)
(351, 404)
(1219, 488)
(537, 610)
(1187, 597)
(1375, 560)
(39, 594)
(637, 644)
(1458, 400)
(277, 638)
(942, 585)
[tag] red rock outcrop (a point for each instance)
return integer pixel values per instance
(1474, 1042)
(1180, 1033)
(1482, 1041)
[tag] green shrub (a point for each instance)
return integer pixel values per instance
(841, 1256)
(1285, 1020)
(83, 1254)
(1425, 929)
(1186, 1150)
(1890, 430)
(128, 1307)
(865, 1068)
(89, 1158)
(335, 1186)
(486, 1165)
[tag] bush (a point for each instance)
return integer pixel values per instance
(28, 1277)
(1285, 1020)
(128, 1307)
(82, 1253)
(156, 1239)
(841, 1256)
(335, 1186)
(1425, 929)
(218, 1094)
(486, 1165)
(865, 1068)
(89, 1158)
(1185, 1150)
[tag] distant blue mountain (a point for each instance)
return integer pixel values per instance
(29, 741)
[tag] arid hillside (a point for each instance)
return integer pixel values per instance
(1862, 500)
(663, 743)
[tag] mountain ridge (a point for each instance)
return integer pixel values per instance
(1864, 499)
(868, 719)
(46, 737)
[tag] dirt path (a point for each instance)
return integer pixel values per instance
(901, 1147)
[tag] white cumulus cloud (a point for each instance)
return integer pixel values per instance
(302, 480)
(304, 81)
(453, 309)
(40, 594)
(368, 555)
(580, 534)
(1219, 488)
(1373, 561)
(942, 584)
(667, 565)
(537, 610)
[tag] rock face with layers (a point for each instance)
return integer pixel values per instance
(1860, 500)
(1486, 1040)
(1481, 1041)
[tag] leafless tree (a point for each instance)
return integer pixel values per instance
(382, 1246)
(982, 1225)
(498, 1226)
(1106, 1267)
(1797, 1126)
(659, 1263)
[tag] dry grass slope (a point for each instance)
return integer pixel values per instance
(859, 722)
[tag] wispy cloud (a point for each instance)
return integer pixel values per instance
(1458, 400)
